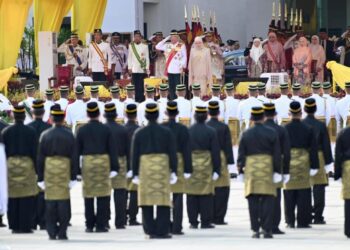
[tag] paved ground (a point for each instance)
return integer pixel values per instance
(234, 236)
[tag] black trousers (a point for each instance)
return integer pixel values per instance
(133, 206)
(39, 211)
(177, 213)
(300, 199)
(347, 218)
(21, 213)
(173, 79)
(119, 196)
(276, 219)
(117, 75)
(261, 212)
(200, 205)
(99, 76)
(221, 197)
(156, 226)
(101, 217)
(319, 197)
(137, 80)
(57, 217)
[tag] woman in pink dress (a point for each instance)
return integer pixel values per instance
(302, 62)
(318, 58)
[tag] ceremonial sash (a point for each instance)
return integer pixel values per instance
(77, 58)
(27, 109)
(142, 62)
(100, 54)
(117, 54)
(272, 54)
(172, 54)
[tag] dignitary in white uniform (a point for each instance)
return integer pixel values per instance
(262, 93)
(216, 91)
(282, 105)
(98, 57)
(162, 102)
(76, 111)
(49, 102)
(231, 104)
(63, 101)
(117, 56)
(342, 109)
(323, 109)
(75, 54)
(244, 107)
(115, 94)
(176, 60)
(183, 105)
(138, 64)
(141, 113)
(331, 104)
(28, 102)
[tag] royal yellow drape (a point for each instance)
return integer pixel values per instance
(48, 16)
(340, 73)
(13, 18)
(87, 15)
(5, 75)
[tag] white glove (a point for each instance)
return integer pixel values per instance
(277, 177)
(286, 178)
(41, 185)
(240, 178)
(113, 174)
(136, 180)
(129, 174)
(313, 172)
(78, 177)
(215, 176)
(72, 184)
(80, 161)
(187, 176)
(173, 178)
(231, 168)
(328, 168)
(168, 37)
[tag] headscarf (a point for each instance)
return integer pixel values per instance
(197, 40)
(256, 52)
(315, 48)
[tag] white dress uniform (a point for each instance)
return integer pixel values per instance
(231, 108)
(47, 107)
(162, 104)
(63, 102)
(133, 63)
(282, 108)
(221, 106)
(141, 111)
(28, 102)
(244, 109)
(118, 54)
(323, 108)
(120, 108)
(331, 102)
(184, 106)
(179, 61)
(71, 60)
(263, 99)
(342, 112)
(95, 62)
(5, 104)
(76, 112)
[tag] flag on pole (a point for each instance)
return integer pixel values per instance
(188, 29)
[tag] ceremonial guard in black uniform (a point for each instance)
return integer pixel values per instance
(39, 126)
(57, 170)
(153, 153)
(342, 170)
(259, 159)
(222, 185)
(206, 165)
(119, 185)
(99, 164)
(21, 151)
(131, 126)
(304, 163)
(325, 158)
(270, 115)
(184, 164)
